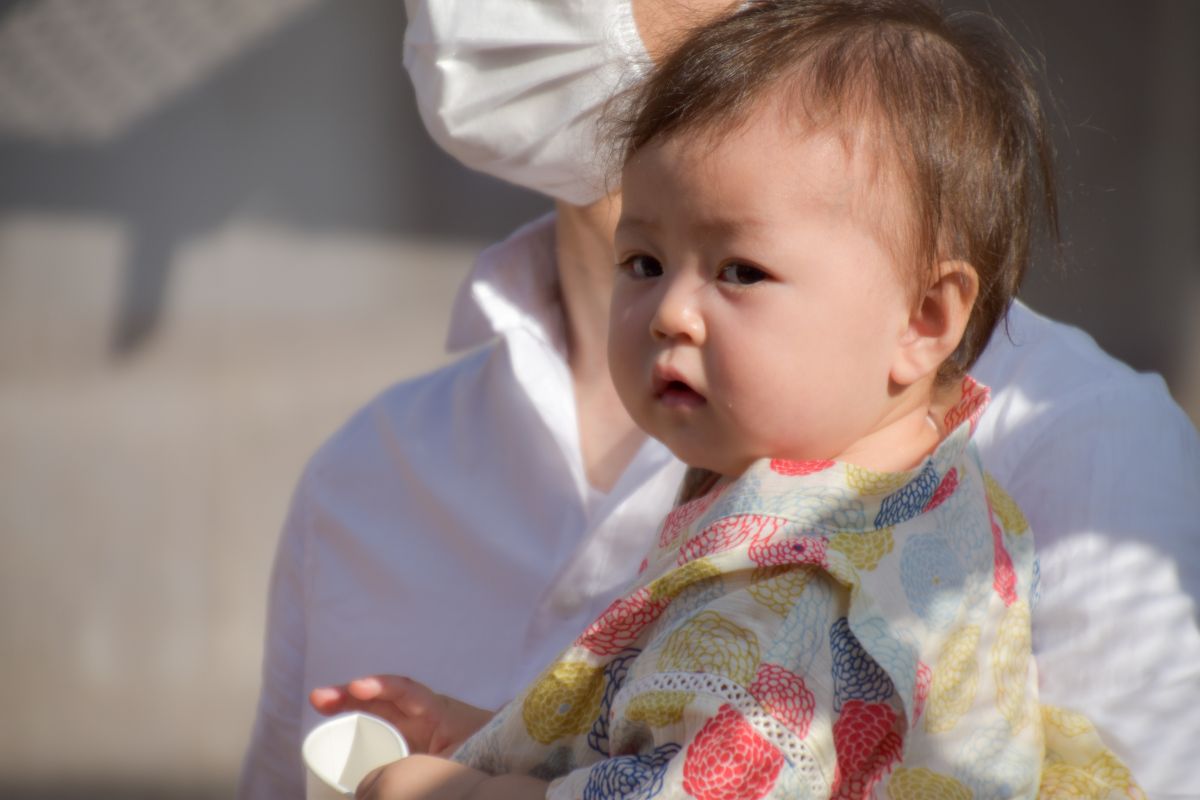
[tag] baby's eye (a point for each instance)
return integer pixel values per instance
(642, 266)
(741, 274)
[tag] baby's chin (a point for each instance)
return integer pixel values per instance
(725, 468)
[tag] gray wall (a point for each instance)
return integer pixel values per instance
(189, 306)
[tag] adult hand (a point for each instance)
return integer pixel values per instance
(430, 722)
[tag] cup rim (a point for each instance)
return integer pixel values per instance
(345, 718)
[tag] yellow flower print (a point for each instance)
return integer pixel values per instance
(1004, 507)
(863, 550)
(955, 680)
(779, 587)
(1011, 656)
(924, 784)
(709, 642)
(564, 701)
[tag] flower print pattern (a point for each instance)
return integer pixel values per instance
(798, 468)
(683, 517)
(1065, 722)
(727, 533)
(801, 636)
(892, 648)
(1005, 580)
(925, 784)
(780, 588)
(675, 581)
(933, 579)
(908, 501)
(810, 508)
(994, 767)
(794, 550)
(1004, 507)
(783, 694)
(868, 482)
(944, 490)
(614, 677)
(1011, 660)
(659, 709)
(620, 625)
(864, 550)
(921, 689)
(973, 399)
(631, 777)
(867, 739)
(564, 701)
(729, 760)
(955, 680)
(856, 676)
(710, 642)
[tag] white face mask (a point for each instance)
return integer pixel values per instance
(515, 88)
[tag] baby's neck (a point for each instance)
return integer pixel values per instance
(911, 430)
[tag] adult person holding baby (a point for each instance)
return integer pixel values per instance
(467, 524)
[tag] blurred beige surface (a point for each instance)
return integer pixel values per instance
(140, 499)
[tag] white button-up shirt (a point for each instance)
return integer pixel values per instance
(448, 531)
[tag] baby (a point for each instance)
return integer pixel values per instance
(827, 210)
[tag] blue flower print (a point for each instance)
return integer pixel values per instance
(812, 509)
(909, 499)
(933, 579)
(614, 677)
(995, 765)
(893, 650)
(856, 676)
(802, 633)
(637, 777)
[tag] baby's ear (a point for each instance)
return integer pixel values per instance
(937, 322)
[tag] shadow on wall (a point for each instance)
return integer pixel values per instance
(314, 126)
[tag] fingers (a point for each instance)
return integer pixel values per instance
(328, 699)
(409, 697)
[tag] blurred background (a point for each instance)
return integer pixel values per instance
(222, 229)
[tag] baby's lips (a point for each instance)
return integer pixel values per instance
(667, 378)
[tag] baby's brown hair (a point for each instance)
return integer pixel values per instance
(951, 102)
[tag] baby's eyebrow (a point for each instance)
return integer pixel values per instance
(725, 226)
(632, 224)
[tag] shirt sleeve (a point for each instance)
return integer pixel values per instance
(1109, 487)
(272, 767)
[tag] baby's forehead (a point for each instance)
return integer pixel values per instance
(854, 158)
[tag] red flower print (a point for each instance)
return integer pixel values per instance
(728, 533)
(785, 467)
(1005, 581)
(799, 550)
(682, 516)
(969, 406)
(729, 760)
(783, 694)
(867, 742)
(921, 689)
(944, 490)
(621, 623)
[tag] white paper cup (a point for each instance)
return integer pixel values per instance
(340, 752)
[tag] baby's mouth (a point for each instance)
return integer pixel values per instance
(674, 392)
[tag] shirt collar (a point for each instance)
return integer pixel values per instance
(514, 285)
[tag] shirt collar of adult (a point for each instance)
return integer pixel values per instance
(513, 286)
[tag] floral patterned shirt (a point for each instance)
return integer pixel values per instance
(814, 630)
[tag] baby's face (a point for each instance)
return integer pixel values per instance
(757, 310)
